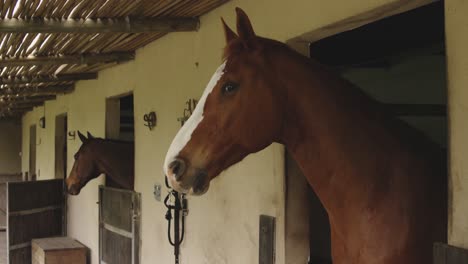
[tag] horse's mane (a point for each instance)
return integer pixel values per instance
(238, 45)
(118, 141)
(104, 140)
(412, 136)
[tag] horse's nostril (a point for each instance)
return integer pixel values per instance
(178, 168)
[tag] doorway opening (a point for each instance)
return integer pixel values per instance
(61, 128)
(400, 62)
(32, 153)
(119, 232)
(119, 122)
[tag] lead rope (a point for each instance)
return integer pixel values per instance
(179, 203)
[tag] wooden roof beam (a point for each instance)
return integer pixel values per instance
(48, 79)
(20, 101)
(69, 59)
(13, 114)
(23, 108)
(110, 25)
(47, 90)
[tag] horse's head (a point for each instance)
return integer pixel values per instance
(236, 115)
(84, 169)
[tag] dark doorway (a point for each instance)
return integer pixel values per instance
(32, 153)
(119, 122)
(61, 146)
(399, 61)
(127, 130)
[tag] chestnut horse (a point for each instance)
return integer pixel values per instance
(98, 156)
(382, 182)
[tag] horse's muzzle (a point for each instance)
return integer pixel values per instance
(200, 183)
(73, 190)
(72, 186)
(177, 168)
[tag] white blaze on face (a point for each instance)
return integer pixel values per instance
(185, 133)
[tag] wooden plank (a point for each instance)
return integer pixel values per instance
(3, 198)
(70, 59)
(20, 256)
(57, 243)
(457, 255)
(136, 221)
(58, 250)
(117, 230)
(45, 78)
(39, 194)
(447, 254)
(120, 25)
(47, 90)
(116, 249)
(3, 247)
(3, 222)
(13, 177)
(114, 203)
(22, 228)
(30, 100)
(417, 109)
(439, 253)
(35, 210)
(13, 110)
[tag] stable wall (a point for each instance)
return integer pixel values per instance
(10, 147)
(457, 68)
(222, 226)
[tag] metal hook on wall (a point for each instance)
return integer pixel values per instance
(188, 110)
(150, 119)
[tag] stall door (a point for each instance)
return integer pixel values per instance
(119, 226)
(446, 254)
(34, 210)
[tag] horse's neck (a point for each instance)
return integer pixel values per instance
(325, 126)
(116, 162)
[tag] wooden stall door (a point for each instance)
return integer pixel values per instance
(119, 226)
(34, 210)
(446, 254)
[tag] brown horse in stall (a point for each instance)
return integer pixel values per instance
(98, 156)
(382, 182)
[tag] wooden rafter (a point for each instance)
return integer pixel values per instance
(21, 100)
(116, 25)
(47, 79)
(28, 91)
(70, 59)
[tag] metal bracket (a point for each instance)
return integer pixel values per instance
(157, 192)
(267, 235)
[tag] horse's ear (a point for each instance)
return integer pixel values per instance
(90, 136)
(244, 27)
(82, 137)
(228, 33)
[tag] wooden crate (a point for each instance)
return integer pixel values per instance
(57, 250)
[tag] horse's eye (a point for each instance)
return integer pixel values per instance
(230, 88)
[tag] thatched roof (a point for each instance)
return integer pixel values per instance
(47, 45)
